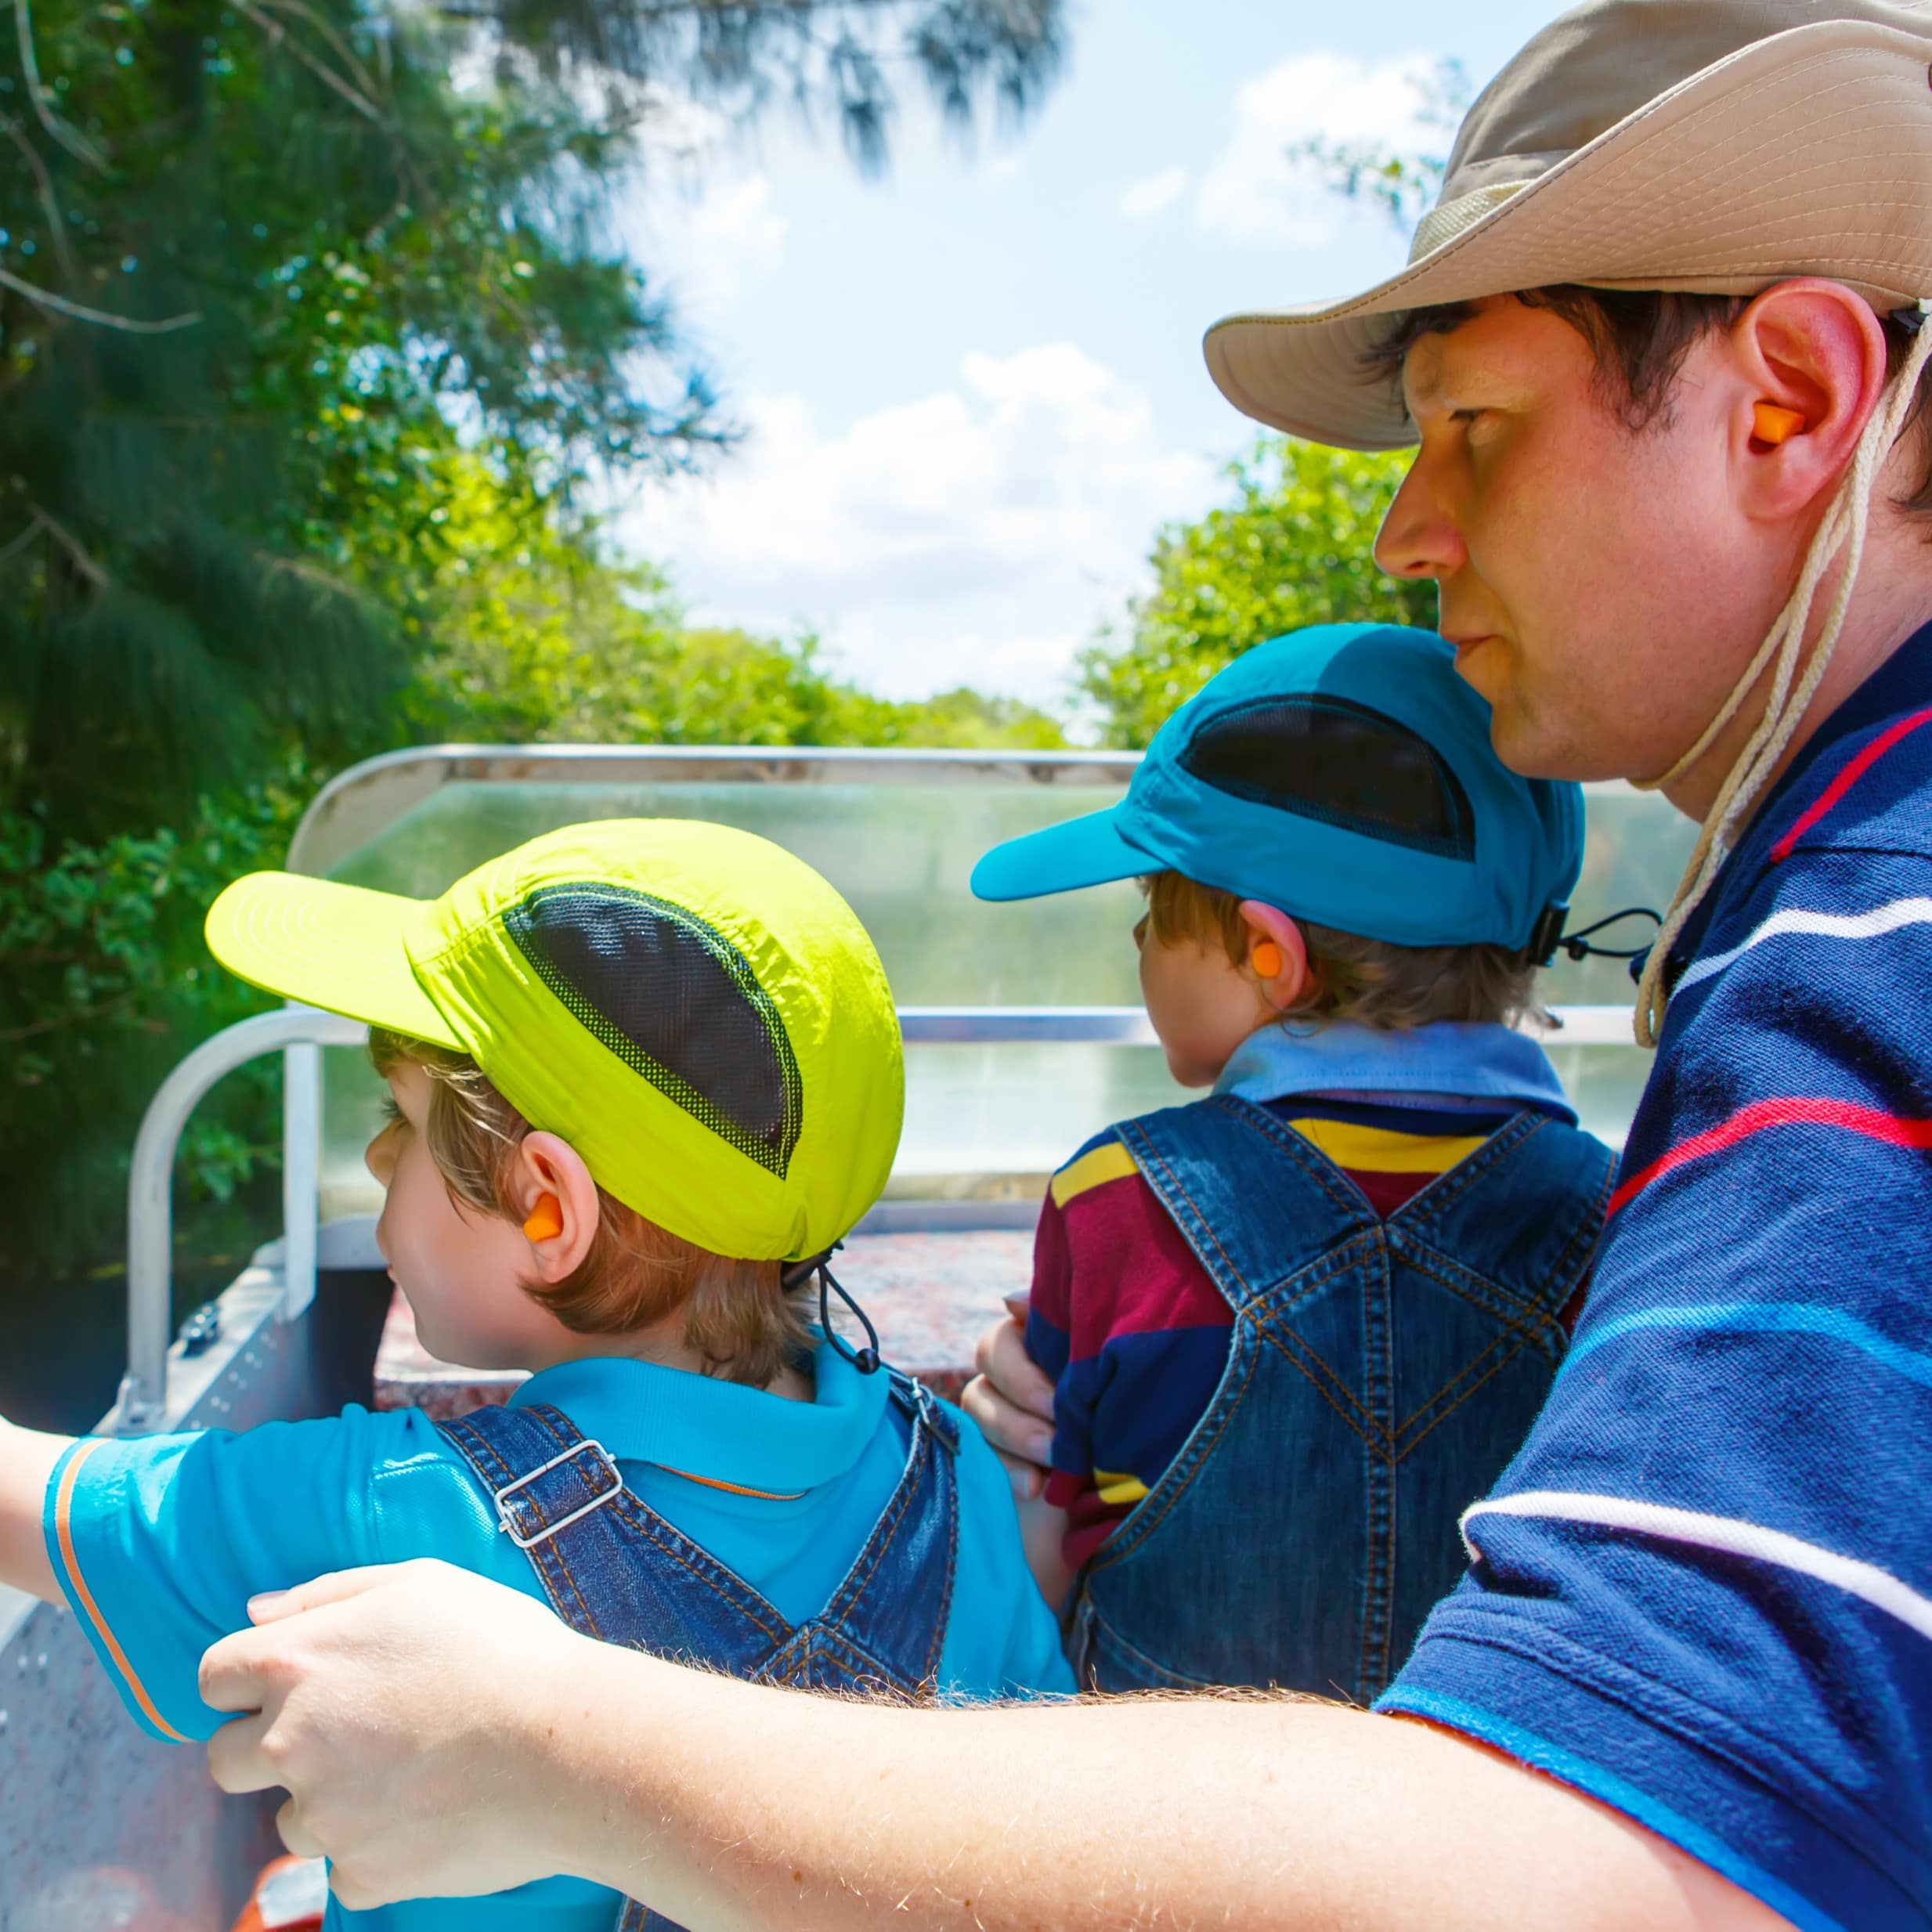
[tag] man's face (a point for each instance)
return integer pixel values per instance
(1601, 586)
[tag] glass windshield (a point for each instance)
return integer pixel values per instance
(982, 1121)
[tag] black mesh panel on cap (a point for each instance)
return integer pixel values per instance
(1327, 759)
(675, 1001)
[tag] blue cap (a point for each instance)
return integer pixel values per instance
(1344, 774)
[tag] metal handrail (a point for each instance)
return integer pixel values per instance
(143, 1400)
(300, 1032)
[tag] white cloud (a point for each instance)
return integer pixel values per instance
(701, 212)
(973, 535)
(1153, 195)
(1253, 191)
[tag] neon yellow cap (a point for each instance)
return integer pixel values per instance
(697, 1012)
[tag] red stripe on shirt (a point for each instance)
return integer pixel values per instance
(1870, 1123)
(1845, 780)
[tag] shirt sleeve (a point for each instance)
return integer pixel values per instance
(1702, 1592)
(159, 1542)
(1049, 1326)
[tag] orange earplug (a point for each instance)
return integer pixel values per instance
(547, 1218)
(1266, 959)
(1773, 423)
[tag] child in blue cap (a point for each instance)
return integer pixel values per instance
(1296, 1327)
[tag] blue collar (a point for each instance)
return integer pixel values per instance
(700, 1425)
(1477, 1061)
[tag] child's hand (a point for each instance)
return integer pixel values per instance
(1012, 1402)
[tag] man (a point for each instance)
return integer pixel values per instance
(1687, 1682)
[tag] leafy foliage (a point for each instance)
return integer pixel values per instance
(105, 985)
(1293, 548)
(311, 358)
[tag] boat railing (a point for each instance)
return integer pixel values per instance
(299, 1033)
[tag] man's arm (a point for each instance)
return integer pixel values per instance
(442, 1734)
(26, 1464)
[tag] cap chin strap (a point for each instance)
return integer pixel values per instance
(1843, 529)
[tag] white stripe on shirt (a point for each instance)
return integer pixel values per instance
(1730, 1534)
(1884, 918)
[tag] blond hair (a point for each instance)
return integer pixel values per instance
(739, 1316)
(1370, 981)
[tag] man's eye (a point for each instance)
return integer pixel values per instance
(392, 1113)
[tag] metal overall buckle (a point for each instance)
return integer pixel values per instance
(501, 1497)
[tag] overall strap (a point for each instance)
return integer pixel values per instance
(1524, 1211)
(612, 1567)
(1255, 1202)
(886, 1624)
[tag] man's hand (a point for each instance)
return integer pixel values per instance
(1012, 1402)
(390, 1703)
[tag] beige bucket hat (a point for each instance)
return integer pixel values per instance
(1718, 146)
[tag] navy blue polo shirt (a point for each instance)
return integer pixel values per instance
(1702, 1592)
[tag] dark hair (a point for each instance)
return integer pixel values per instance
(1640, 338)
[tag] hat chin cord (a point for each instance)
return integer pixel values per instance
(1843, 529)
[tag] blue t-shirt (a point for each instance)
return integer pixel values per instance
(1702, 1592)
(160, 1542)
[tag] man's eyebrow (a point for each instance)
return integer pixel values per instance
(1422, 372)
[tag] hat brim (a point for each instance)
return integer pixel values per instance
(1804, 153)
(341, 948)
(1077, 852)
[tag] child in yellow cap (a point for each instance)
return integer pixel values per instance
(644, 1074)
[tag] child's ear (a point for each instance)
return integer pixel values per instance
(1278, 953)
(550, 1169)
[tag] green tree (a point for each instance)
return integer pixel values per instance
(310, 358)
(1293, 547)
(261, 263)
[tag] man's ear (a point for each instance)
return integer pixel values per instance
(1269, 927)
(1813, 348)
(546, 1165)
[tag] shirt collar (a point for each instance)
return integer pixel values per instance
(1902, 684)
(1480, 1060)
(702, 1426)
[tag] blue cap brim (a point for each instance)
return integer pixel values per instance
(1085, 851)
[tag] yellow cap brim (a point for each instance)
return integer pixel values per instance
(340, 948)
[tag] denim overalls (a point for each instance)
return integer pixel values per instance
(614, 1569)
(1379, 1376)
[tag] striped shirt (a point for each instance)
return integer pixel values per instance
(1702, 1592)
(1130, 1325)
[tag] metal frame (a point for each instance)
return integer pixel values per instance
(302, 1031)
(367, 797)
(357, 804)
(143, 1398)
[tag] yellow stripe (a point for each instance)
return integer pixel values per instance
(1109, 1163)
(1112, 1487)
(63, 1502)
(1385, 1151)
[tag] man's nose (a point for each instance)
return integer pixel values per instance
(1419, 537)
(379, 1157)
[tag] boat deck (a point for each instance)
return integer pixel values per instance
(929, 1295)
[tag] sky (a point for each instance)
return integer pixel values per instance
(972, 388)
